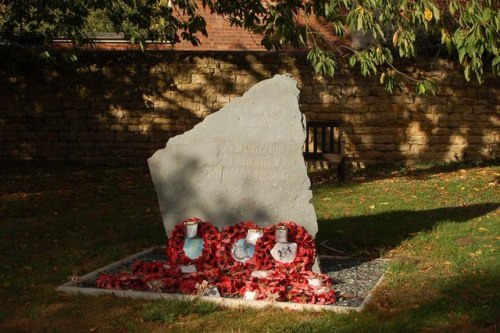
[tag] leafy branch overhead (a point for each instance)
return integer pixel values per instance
(371, 34)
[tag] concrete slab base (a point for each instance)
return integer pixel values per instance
(79, 288)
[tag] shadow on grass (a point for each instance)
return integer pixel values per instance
(467, 304)
(376, 233)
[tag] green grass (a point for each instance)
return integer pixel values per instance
(439, 224)
(169, 312)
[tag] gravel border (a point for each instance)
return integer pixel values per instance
(353, 279)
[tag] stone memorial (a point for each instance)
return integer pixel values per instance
(241, 163)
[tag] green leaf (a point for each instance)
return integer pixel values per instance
(467, 72)
(420, 88)
(352, 60)
(330, 70)
(359, 26)
(436, 13)
(452, 8)
(395, 38)
(461, 54)
(317, 67)
(495, 65)
(496, 61)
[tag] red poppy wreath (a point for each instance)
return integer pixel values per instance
(312, 288)
(192, 242)
(239, 251)
(266, 285)
(124, 281)
(200, 281)
(279, 241)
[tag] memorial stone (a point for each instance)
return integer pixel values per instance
(241, 163)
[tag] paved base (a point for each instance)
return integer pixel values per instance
(86, 286)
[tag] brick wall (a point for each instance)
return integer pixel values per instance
(221, 37)
(120, 107)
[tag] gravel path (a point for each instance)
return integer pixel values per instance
(353, 279)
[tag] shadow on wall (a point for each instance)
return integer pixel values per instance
(386, 231)
(459, 124)
(120, 107)
(115, 108)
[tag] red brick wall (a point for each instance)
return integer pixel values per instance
(221, 37)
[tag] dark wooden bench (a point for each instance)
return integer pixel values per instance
(325, 143)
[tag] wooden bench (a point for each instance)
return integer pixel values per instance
(325, 143)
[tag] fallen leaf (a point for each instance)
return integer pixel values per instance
(347, 295)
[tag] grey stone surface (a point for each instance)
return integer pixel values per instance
(241, 163)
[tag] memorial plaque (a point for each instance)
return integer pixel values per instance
(241, 163)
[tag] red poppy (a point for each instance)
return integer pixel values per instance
(302, 292)
(229, 286)
(188, 286)
(120, 281)
(170, 284)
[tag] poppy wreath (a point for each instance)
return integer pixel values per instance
(302, 292)
(160, 283)
(271, 287)
(143, 268)
(229, 235)
(311, 295)
(273, 293)
(229, 286)
(272, 278)
(255, 287)
(196, 282)
(203, 272)
(262, 258)
(306, 250)
(187, 286)
(302, 278)
(158, 276)
(175, 249)
(124, 281)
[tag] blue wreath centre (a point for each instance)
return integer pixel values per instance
(193, 247)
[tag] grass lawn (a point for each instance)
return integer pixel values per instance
(441, 227)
